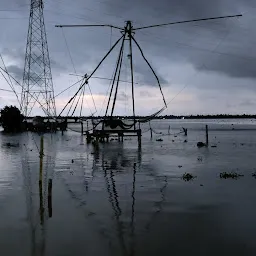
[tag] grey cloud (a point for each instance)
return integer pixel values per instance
(185, 9)
(145, 94)
(16, 71)
(233, 66)
(210, 47)
(248, 103)
(122, 96)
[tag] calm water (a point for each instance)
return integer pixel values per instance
(120, 200)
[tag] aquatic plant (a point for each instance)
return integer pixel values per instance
(230, 175)
(188, 176)
(200, 144)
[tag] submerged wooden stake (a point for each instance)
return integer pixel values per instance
(82, 128)
(206, 134)
(41, 155)
(50, 198)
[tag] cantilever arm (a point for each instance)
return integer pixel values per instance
(188, 21)
(87, 78)
(99, 25)
(150, 68)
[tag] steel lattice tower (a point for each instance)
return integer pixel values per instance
(37, 87)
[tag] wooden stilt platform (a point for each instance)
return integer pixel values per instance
(103, 135)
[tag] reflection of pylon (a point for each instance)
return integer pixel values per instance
(37, 88)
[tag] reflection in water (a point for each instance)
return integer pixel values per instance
(118, 159)
(29, 200)
(133, 208)
(45, 166)
(118, 200)
(113, 199)
(158, 204)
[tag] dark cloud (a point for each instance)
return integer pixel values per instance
(233, 66)
(226, 31)
(222, 53)
(16, 72)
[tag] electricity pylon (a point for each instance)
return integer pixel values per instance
(37, 89)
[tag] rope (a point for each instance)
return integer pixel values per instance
(118, 77)
(150, 68)
(82, 103)
(203, 65)
(110, 37)
(91, 73)
(70, 56)
(10, 83)
(114, 79)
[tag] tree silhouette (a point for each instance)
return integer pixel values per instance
(11, 119)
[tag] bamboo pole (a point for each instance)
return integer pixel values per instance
(41, 155)
(50, 198)
(206, 135)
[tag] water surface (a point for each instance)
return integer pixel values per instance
(122, 200)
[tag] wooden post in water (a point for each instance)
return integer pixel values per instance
(139, 137)
(41, 155)
(50, 198)
(151, 133)
(82, 128)
(206, 134)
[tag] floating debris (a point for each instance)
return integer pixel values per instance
(188, 176)
(201, 185)
(230, 175)
(199, 158)
(179, 166)
(185, 141)
(254, 175)
(15, 145)
(72, 161)
(200, 144)
(159, 139)
(213, 146)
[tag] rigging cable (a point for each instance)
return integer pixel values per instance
(10, 83)
(150, 68)
(71, 59)
(203, 64)
(91, 74)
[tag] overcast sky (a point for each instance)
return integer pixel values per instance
(205, 68)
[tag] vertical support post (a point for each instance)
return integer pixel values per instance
(50, 198)
(82, 128)
(206, 134)
(41, 158)
(169, 130)
(87, 125)
(129, 31)
(41, 179)
(151, 133)
(139, 137)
